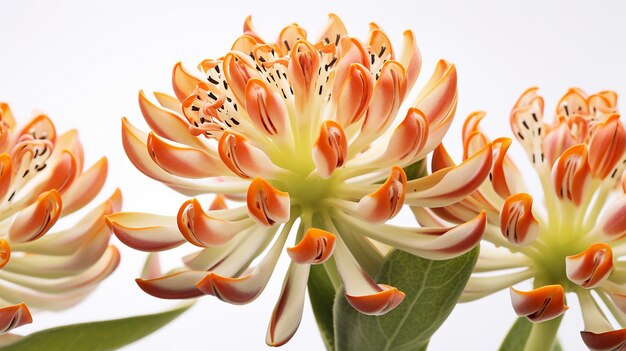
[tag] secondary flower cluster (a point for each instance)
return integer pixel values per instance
(310, 136)
(41, 180)
(572, 239)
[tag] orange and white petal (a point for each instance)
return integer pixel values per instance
(335, 29)
(527, 124)
(607, 147)
(85, 188)
(167, 124)
(288, 37)
(330, 150)
(410, 58)
(145, 231)
(436, 243)
(35, 220)
(249, 285)
(354, 95)
(571, 174)
(266, 109)
(266, 204)
(202, 229)
(386, 201)
(451, 184)
(408, 139)
(287, 313)
(14, 316)
(5, 253)
(40, 127)
(183, 82)
(360, 290)
(541, 304)
(556, 141)
(573, 102)
(590, 267)
(389, 92)
(599, 333)
(184, 161)
(178, 285)
(315, 247)
(169, 102)
(303, 68)
(238, 69)
(517, 222)
(439, 97)
(243, 158)
(612, 222)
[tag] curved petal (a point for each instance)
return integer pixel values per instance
(335, 29)
(315, 247)
(183, 82)
(607, 341)
(354, 95)
(408, 139)
(266, 204)
(179, 285)
(13, 317)
(451, 184)
(145, 231)
(439, 96)
(590, 267)
(517, 223)
(607, 147)
(243, 158)
(541, 304)
(387, 201)
(266, 109)
(35, 220)
(201, 229)
(411, 59)
(571, 174)
(330, 150)
(612, 222)
(85, 188)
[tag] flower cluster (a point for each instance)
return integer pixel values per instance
(573, 240)
(310, 136)
(41, 180)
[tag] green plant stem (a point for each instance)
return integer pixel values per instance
(543, 335)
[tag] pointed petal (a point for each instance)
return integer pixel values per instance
(354, 95)
(238, 69)
(201, 229)
(387, 201)
(179, 285)
(243, 158)
(335, 29)
(541, 304)
(288, 37)
(480, 286)
(183, 82)
(361, 291)
(145, 231)
(572, 102)
(330, 150)
(408, 139)
(183, 161)
(315, 247)
(613, 220)
(248, 29)
(451, 184)
(248, 286)
(266, 204)
(557, 140)
(439, 96)
(35, 220)
(266, 109)
(571, 174)
(13, 317)
(517, 223)
(40, 127)
(85, 188)
(303, 68)
(167, 124)
(607, 147)
(287, 313)
(410, 59)
(590, 267)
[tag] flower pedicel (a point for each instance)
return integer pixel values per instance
(41, 180)
(308, 135)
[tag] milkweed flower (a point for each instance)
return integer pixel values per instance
(573, 240)
(42, 180)
(306, 134)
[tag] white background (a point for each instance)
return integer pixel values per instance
(83, 62)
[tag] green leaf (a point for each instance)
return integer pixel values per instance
(432, 289)
(96, 336)
(322, 295)
(515, 340)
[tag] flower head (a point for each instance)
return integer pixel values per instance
(42, 180)
(573, 240)
(308, 134)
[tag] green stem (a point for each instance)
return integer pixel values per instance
(543, 335)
